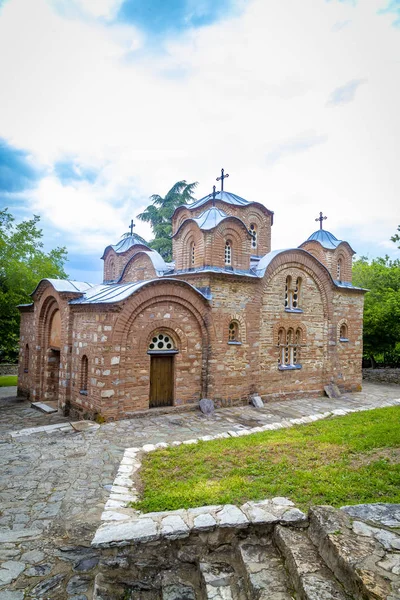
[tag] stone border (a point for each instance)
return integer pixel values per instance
(123, 526)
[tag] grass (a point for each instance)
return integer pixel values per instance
(343, 460)
(7, 380)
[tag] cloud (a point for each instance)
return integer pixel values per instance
(345, 93)
(339, 25)
(17, 170)
(69, 171)
(160, 16)
(301, 143)
(393, 7)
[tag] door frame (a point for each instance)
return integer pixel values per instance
(163, 353)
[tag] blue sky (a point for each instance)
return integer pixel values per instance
(105, 102)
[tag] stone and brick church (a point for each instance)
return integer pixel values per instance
(228, 318)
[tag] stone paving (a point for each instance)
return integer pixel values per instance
(54, 484)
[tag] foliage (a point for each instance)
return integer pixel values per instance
(381, 277)
(396, 237)
(159, 215)
(8, 380)
(23, 262)
(343, 460)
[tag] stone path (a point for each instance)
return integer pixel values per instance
(53, 486)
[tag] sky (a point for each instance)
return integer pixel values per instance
(105, 102)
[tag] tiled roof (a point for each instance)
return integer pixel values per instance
(66, 285)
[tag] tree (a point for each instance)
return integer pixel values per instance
(23, 263)
(159, 215)
(396, 237)
(381, 277)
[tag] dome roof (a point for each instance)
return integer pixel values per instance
(210, 218)
(325, 238)
(126, 243)
(227, 197)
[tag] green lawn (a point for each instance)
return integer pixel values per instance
(343, 460)
(7, 380)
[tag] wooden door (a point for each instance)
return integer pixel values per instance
(161, 380)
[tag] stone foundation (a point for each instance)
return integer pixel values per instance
(382, 375)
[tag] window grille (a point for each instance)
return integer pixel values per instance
(289, 344)
(233, 332)
(161, 341)
(228, 254)
(84, 373)
(253, 233)
(192, 253)
(339, 269)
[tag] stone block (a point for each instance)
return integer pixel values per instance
(207, 406)
(257, 402)
(332, 390)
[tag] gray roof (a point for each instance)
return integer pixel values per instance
(209, 219)
(126, 243)
(212, 269)
(108, 293)
(325, 238)
(227, 197)
(66, 285)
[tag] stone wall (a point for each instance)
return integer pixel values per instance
(382, 375)
(6, 369)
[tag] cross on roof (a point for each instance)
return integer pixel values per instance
(221, 179)
(320, 219)
(131, 226)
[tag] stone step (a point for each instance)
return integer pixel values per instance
(310, 576)
(357, 559)
(44, 407)
(265, 572)
(221, 581)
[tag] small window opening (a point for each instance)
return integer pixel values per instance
(292, 293)
(84, 374)
(253, 233)
(233, 332)
(289, 344)
(344, 334)
(228, 253)
(26, 359)
(192, 253)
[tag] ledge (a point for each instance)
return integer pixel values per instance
(343, 339)
(293, 310)
(290, 367)
(235, 343)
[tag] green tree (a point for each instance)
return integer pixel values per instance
(159, 215)
(23, 263)
(396, 237)
(381, 277)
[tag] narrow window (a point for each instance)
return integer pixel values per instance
(289, 348)
(296, 294)
(228, 253)
(192, 253)
(84, 374)
(26, 359)
(344, 334)
(339, 269)
(296, 347)
(288, 286)
(282, 346)
(233, 332)
(253, 233)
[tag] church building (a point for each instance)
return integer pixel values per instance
(227, 319)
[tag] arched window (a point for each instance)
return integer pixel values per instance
(292, 293)
(344, 333)
(26, 359)
(233, 331)
(228, 253)
(161, 341)
(289, 344)
(339, 269)
(192, 253)
(84, 374)
(253, 233)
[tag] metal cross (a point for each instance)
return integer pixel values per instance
(131, 226)
(221, 179)
(320, 219)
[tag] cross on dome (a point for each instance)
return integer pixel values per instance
(221, 179)
(320, 219)
(131, 226)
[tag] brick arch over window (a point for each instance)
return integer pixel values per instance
(343, 330)
(189, 234)
(139, 268)
(292, 259)
(345, 265)
(240, 240)
(241, 324)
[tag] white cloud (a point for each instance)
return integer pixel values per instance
(227, 96)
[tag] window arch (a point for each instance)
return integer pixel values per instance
(292, 293)
(228, 253)
(254, 235)
(343, 333)
(289, 344)
(26, 359)
(233, 332)
(84, 374)
(161, 342)
(339, 269)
